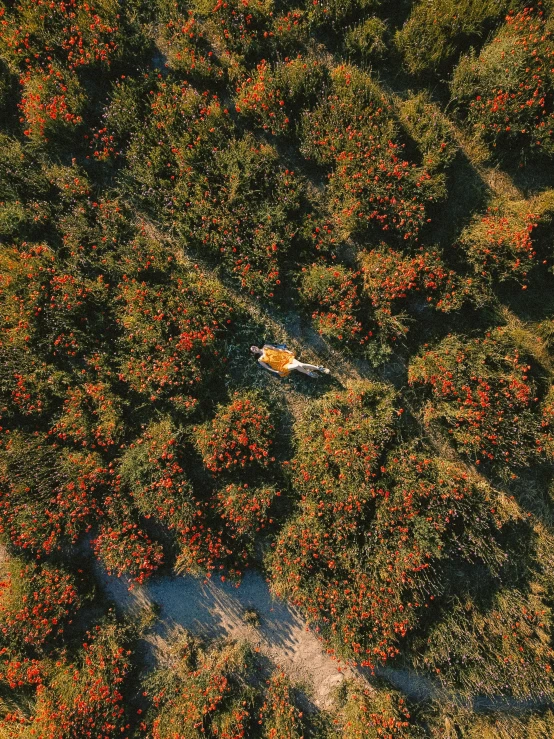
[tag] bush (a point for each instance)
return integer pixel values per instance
(369, 713)
(273, 98)
(36, 602)
(332, 293)
(245, 510)
(151, 472)
(503, 650)
(390, 277)
(511, 106)
(499, 245)
(482, 393)
(122, 545)
(340, 440)
(370, 183)
(171, 333)
(249, 224)
(279, 715)
(434, 35)
(204, 692)
(214, 691)
(49, 497)
(365, 566)
(239, 436)
(430, 129)
(83, 697)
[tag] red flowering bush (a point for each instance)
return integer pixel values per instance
(507, 92)
(363, 564)
(48, 497)
(332, 293)
(482, 393)
(83, 698)
(171, 333)
(181, 127)
(371, 182)
(77, 34)
(215, 691)
(186, 42)
(500, 245)
(272, 97)
(340, 440)
(91, 415)
(245, 509)
(239, 27)
(389, 276)
(45, 306)
(36, 602)
(124, 548)
(151, 472)
(239, 436)
(51, 103)
(367, 713)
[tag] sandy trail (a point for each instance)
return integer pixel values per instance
(216, 609)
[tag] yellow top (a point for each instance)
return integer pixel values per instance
(277, 359)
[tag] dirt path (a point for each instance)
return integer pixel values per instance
(215, 609)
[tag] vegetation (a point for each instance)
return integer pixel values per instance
(369, 182)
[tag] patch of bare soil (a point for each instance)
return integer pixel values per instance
(216, 609)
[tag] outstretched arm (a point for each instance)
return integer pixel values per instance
(267, 367)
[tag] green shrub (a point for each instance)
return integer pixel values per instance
(435, 33)
(430, 129)
(503, 650)
(151, 472)
(249, 225)
(367, 40)
(364, 560)
(49, 496)
(274, 97)
(505, 243)
(370, 183)
(203, 693)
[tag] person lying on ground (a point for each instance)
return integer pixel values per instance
(278, 359)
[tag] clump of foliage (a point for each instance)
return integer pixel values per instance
(361, 556)
(371, 183)
(504, 244)
(371, 712)
(482, 393)
(506, 93)
(273, 97)
(389, 277)
(81, 697)
(333, 295)
(433, 37)
(239, 436)
(36, 601)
